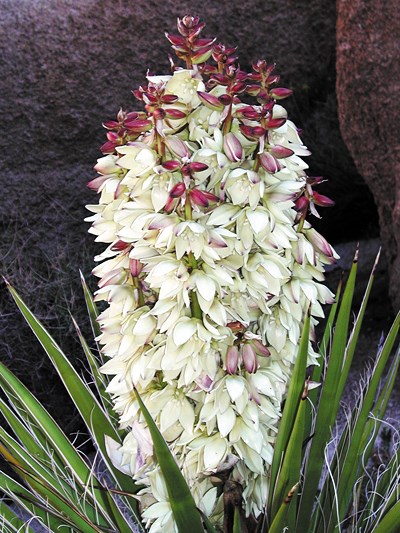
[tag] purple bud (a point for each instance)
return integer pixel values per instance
(176, 146)
(249, 358)
(199, 198)
(274, 123)
(279, 93)
(177, 190)
(281, 152)
(135, 267)
(270, 163)
(210, 101)
(260, 348)
(171, 165)
(174, 114)
(232, 147)
(232, 360)
(322, 200)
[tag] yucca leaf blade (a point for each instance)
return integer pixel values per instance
(289, 412)
(327, 408)
(186, 514)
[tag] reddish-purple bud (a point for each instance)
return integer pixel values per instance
(176, 146)
(171, 165)
(210, 196)
(281, 152)
(138, 126)
(199, 198)
(196, 166)
(110, 124)
(322, 200)
(270, 163)
(253, 132)
(279, 93)
(225, 99)
(135, 267)
(174, 114)
(202, 43)
(169, 98)
(232, 360)
(249, 358)
(210, 101)
(250, 113)
(201, 55)
(260, 348)
(253, 89)
(108, 147)
(275, 123)
(159, 114)
(176, 40)
(119, 246)
(177, 190)
(301, 205)
(239, 87)
(232, 147)
(95, 184)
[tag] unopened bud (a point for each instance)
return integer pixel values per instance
(260, 348)
(274, 123)
(135, 267)
(171, 165)
(232, 147)
(232, 360)
(177, 190)
(210, 101)
(249, 358)
(253, 132)
(281, 152)
(174, 114)
(270, 163)
(279, 93)
(322, 200)
(176, 146)
(198, 198)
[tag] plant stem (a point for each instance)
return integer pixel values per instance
(194, 302)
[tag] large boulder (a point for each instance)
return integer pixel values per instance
(368, 91)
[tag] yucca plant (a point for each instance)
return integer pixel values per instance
(212, 283)
(310, 492)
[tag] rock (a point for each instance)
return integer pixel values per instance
(368, 91)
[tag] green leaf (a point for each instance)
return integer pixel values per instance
(28, 502)
(293, 399)
(390, 521)
(186, 514)
(279, 524)
(89, 408)
(328, 403)
(91, 307)
(8, 519)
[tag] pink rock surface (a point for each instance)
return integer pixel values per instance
(368, 92)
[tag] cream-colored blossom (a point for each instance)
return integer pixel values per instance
(189, 280)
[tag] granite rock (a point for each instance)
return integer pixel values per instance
(368, 92)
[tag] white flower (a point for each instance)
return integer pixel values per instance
(206, 290)
(185, 84)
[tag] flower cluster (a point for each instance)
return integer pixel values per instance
(209, 270)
